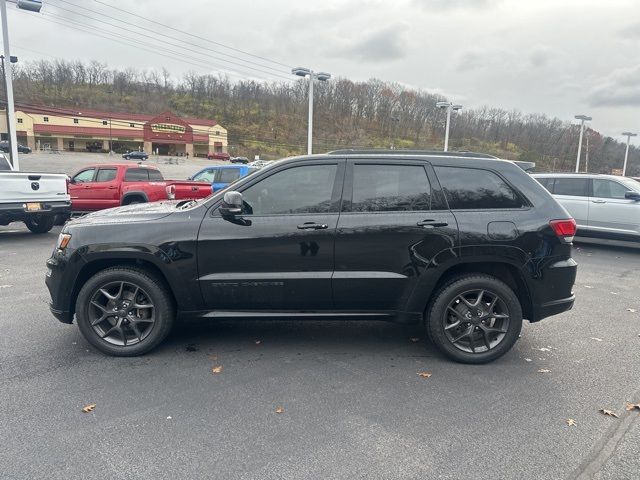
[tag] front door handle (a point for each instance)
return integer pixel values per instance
(431, 223)
(598, 201)
(313, 226)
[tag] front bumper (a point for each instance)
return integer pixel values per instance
(60, 281)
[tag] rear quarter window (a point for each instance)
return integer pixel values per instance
(476, 189)
(576, 187)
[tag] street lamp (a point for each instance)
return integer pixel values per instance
(4, 85)
(582, 118)
(626, 153)
(33, 6)
(449, 107)
(323, 77)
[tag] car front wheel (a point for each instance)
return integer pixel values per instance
(124, 311)
(474, 319)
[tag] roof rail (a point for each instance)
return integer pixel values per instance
(382, 151)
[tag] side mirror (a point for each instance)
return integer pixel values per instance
(72, 180)
(231, 204)
(631, 195)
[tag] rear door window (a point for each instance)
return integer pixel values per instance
(228, 175)
(574, 187)
(137, 175)
(106, 175)
(205, 176)
(390, 188)
(155, 176)
(476, 189)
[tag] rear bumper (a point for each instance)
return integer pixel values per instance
(18, 211)
(552, 292)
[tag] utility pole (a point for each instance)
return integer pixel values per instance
(582, 119)
(626, 153)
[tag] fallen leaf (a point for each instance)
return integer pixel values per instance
(217, 369)
(258, 342)
(596, 339)
(544, 370)
(571, 422)
(588, 286)
(279, 409)
(613, 293)
(544, 349)
(611, 413)
(527, 360)
(213, 358)
(424, 374)
(168, 418)
(632, 310)
(89, 408)
(415, 339)
(632, 406)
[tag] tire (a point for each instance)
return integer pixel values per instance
(488, 336)
(127, 157)
(39, 223)
(152, 333)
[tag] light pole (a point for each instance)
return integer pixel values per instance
(33, 6)
(449, 107)
(626, 153)
(4, 85)
(582, 118)
(323, 77)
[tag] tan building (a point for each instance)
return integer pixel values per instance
(47, 128)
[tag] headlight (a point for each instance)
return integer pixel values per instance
(63, 241)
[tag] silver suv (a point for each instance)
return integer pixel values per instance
(604, 206)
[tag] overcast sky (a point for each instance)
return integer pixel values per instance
(558, 57)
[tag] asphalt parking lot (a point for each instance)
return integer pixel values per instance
(353, 404)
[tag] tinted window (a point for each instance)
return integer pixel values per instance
(387, 188)
(155, 176)
(85, 176)
(576, 187)
(137, 175)
(546, 183)
(106, 174)
(228, 175)
(4, 164)
(473, 188)
(608, 189)
(205, 176)
(295, 190)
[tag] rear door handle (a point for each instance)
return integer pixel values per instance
(598, 201)
(313, 226)
(431, 223)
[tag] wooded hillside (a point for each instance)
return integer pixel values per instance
(270, 118)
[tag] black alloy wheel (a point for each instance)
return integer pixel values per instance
(124, 311)
(474, 318)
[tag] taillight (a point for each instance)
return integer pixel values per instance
(564, 228)
(171, 192)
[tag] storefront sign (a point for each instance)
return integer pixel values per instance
(167, 128)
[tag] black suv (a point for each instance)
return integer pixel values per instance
(468, 245)
(135, 155)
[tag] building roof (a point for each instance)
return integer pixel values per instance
(89, 113)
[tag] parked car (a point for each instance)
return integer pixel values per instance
(6, 147)
(218, 156)
(467, 246)
(108, 185)
(135, 155)
(221, 176)
(243, 160)
(37, 199)
(604, 206)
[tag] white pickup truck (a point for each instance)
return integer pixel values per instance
(38, 199)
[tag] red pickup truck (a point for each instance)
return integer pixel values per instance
(107, 185)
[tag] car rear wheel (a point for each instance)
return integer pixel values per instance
(474, 319)
(40, 223)
(124, 311)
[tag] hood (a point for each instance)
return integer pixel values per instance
(140, 212)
